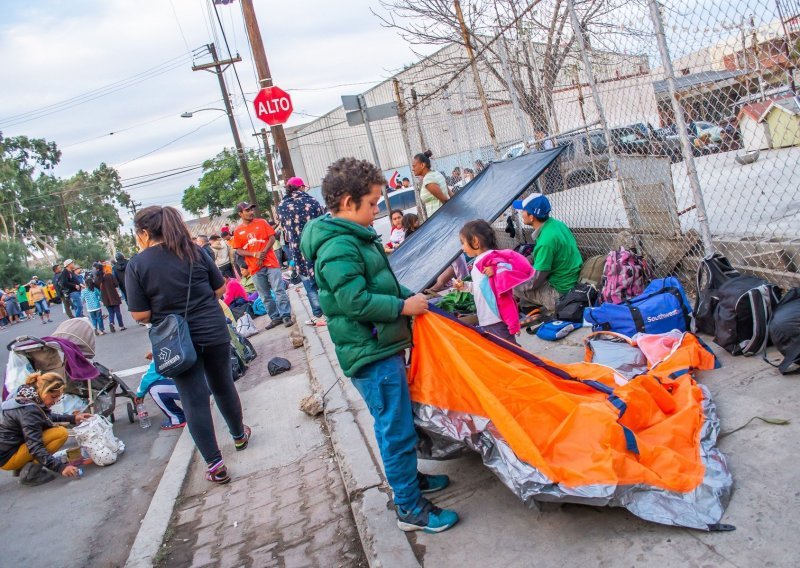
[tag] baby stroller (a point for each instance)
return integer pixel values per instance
(68, 352)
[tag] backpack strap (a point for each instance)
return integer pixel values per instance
(790, 361)
(687, 316)
(638, 320)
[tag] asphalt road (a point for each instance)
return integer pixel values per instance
(90, 521)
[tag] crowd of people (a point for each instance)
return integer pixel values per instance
(350, 287)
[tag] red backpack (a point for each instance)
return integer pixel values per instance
(625, 276)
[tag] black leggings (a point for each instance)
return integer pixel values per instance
(213, 368)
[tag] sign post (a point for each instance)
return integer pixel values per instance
(359, 113)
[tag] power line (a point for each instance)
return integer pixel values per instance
(137, 125)
(180, 28)
(94, 94)
(171, 141)
(235, 72)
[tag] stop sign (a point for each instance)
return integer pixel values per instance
(273, 105)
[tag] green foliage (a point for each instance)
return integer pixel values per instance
(222, 185)
(125, 243)
(44, 209)
(13, 269)
(84, 250)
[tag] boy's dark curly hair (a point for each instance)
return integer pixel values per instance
(349, 176)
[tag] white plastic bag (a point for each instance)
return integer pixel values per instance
(96, 435)
(17, 370)
(245, 326)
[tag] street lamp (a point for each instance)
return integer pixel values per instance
(251, 192)
(190, 113)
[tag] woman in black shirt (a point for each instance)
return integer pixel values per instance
(156, 283)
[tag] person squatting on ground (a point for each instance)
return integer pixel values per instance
(253, 240)
(297, 209)
(164, 393)
(368, 318)
(494, 274)
(91, 295)
(556, 259)
(28, 435)
(157, 281)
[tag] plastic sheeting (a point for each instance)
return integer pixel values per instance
(570, 433)
(429, 250)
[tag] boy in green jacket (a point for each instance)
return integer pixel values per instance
(369, 321)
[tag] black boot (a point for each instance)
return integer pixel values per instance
(34, 474)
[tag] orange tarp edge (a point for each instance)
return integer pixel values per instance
(568, 430)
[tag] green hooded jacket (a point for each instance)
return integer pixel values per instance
(358, 292)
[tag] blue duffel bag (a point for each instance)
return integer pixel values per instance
(662, 307)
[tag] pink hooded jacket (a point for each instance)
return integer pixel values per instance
(510, 269)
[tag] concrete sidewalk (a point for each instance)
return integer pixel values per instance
(496, 529)
(286, 504)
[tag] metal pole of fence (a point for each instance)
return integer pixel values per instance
(512, 90)
(683, 134)
(601, 114)
(401, 114)
(463, 102)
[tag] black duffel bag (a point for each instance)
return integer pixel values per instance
(784, 331)
(570, 306)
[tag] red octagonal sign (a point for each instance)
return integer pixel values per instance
(273, 105)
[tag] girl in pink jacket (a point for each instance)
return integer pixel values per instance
(494, 275)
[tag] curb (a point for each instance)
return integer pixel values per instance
(156, 521)
(370, 500)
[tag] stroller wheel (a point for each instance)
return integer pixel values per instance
(131, 412)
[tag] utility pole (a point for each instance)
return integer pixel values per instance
(415, 105)
(401, 114)
(478, 85)
(268, 155)
(265, 80)
(218, 71)
(757, 56)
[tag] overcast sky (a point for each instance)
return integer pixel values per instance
(57, 50)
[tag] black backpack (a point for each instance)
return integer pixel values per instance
(570, 306)
(712, 273)
(742, 314)
(784, 331)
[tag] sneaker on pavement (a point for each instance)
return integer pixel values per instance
(432, 483)
(273, 324)
(288, 322)
(167, 425)
(425, 516)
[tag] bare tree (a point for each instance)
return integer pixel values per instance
(535, 34)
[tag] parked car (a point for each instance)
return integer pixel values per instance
(404, 200)
(585, 160)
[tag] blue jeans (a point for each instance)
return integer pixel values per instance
(77, 304)
(97, 319)
(114, 311)
(313, 295)
(268, 280)
(384, 387)
(42, 307)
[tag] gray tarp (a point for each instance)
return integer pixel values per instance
(427, 252)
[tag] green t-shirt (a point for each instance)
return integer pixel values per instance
(557, 252)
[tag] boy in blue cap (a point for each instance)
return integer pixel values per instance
(556, 259)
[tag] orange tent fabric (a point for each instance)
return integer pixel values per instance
(569, 430)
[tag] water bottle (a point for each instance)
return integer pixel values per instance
(144, 417)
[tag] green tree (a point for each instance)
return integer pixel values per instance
(40, 210)
(222, 185)
(13, 269)
(83, 250)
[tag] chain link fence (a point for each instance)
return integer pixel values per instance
(680, 118)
